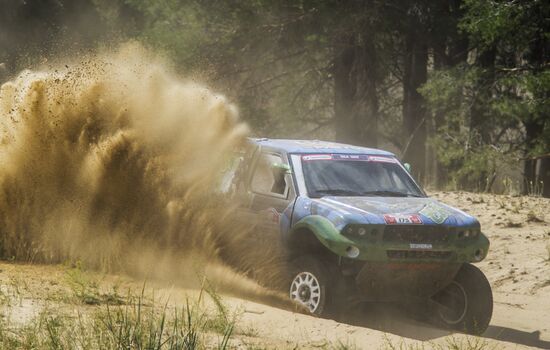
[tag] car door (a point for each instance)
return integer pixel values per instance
(271, 190)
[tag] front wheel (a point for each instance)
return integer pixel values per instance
(310, 286)
(466, 304)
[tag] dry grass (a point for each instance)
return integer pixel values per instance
(86, 318)
(135, 326)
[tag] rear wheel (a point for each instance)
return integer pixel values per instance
(466, 304)
(313, 286)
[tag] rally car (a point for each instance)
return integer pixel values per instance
(357, 226)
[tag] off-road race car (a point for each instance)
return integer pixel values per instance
(358, 227)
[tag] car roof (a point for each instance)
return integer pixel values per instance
(315, 146)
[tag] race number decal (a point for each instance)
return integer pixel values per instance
(392, 219)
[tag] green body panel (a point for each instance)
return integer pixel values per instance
(325, 232)
(374, 249)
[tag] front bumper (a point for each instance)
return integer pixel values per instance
(428, 244)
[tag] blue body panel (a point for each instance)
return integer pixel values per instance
(342, 211)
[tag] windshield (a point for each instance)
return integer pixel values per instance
(356, 175)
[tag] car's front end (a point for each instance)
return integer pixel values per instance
(390, 260)
(391, 239)
(388, 219)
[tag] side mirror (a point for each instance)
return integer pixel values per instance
(281, 167)
(408, 167)
(279, 172)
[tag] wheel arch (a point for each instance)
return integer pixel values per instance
(313, 235)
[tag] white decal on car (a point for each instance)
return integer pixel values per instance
(420, 246)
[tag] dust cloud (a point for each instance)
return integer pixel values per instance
(111, 160)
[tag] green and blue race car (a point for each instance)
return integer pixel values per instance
(357, 226)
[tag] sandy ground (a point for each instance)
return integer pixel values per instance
(517, 266)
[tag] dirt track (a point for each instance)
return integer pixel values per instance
(518, 268)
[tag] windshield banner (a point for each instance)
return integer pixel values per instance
(355, 157)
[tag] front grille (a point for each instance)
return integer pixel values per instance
(416, 234)
(418, 254)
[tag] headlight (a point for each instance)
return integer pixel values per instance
(365, 232)
(356, 231)
(469, 233)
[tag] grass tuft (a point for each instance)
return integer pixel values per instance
(136, 323)
(85, 288)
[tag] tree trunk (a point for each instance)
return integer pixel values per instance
(533, 130)
(458, 43)
(480, 113)
(534, 124)
(367, 98)
(450, 48)
(356, 106)
(441, 175)
(543, 184)
(414, 110)
(344, 87)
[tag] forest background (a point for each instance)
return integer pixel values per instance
(458, 88)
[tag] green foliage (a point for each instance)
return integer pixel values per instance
(506, 22)
(459, 147)
(277, 59)
(496, 105)
(488, 87)
(487, 21)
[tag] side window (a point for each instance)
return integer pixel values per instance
(234, 175)
(227, 182)
(269, 179)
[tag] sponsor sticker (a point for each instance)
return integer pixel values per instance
(350, 157)
(382, 159)
(393, 219)
(435, 212)
(420, 246)
(273, 215)
(317, 157)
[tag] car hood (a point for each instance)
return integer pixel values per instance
(391, 210)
